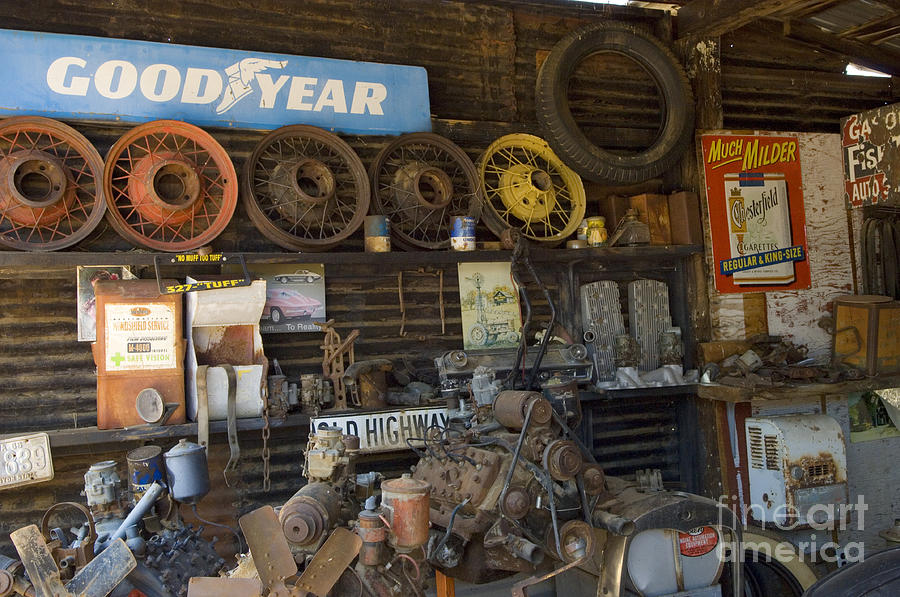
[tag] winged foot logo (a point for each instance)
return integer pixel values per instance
(120, 79)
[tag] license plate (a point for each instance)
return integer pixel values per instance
(385, 431)
(25, 460)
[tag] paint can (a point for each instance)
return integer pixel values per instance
(377, 234)
(462, 234)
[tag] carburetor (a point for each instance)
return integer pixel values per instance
(329, 498)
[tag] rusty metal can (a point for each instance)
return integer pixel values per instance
(405, 501)
(373, 533)
(462, 233)
(511, 406)
(145, 467)
(377, 235)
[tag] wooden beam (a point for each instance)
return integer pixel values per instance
(864, 54)
(708, 18)
(875, 30)
(812, 8)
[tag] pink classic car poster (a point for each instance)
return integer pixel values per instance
(295, 297)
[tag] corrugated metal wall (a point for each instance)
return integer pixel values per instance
(481, 60)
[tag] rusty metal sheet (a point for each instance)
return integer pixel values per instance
(25, 459)
(871, 148)
(330, 562)
(268, 546)
(102, 574)
(201, 586)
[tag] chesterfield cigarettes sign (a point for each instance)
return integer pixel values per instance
(757, 224)
(76, 77)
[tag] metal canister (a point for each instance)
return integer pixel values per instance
(405, 502)
(577, 244)
(373, 533)
(582, 233)
(145, 466)
(597, 235)
(562, 392)
(462, 234)
(187, 472)
(511, 406)
(377, 234)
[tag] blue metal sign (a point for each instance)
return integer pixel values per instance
(77, 77)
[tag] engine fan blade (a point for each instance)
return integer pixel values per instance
(268, 546)
(38, 561)
(200, 586)
(104, 573)
(330, 562)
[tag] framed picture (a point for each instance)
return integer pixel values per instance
(295, 297)
(489, 301)
(754, 195)
(87, 276)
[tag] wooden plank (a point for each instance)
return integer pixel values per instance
(715, 17)
(61, 438)
(799, 393)
(876, 57)
(11, 261)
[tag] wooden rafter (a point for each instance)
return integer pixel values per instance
(874, 31)
(864, 54)
(708, 18)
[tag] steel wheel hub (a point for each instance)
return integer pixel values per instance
(50, 195)
(527, 188)
(305, 188)
(38, 182)
(421, 181)
(429, 186)
(164, 189)
(527, 192)
(170, 186)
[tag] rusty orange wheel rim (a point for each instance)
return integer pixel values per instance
(50, 191)
(169, 186)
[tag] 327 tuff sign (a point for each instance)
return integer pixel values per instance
(755, 197)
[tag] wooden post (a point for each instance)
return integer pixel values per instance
(446, 587)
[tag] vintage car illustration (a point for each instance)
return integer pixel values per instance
(301, 275)
(283, 303)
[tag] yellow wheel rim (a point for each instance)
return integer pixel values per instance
(528, 187)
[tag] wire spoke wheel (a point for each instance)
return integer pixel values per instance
(50, 191)
(305, 188)
(170, 186)
(528, 188)
(421, 181)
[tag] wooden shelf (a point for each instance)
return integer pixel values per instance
(67, 259)
(611, 394)
(90, 436)
(798, 392)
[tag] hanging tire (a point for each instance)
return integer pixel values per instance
(572, 144)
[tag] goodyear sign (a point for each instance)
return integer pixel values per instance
(77, 77)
